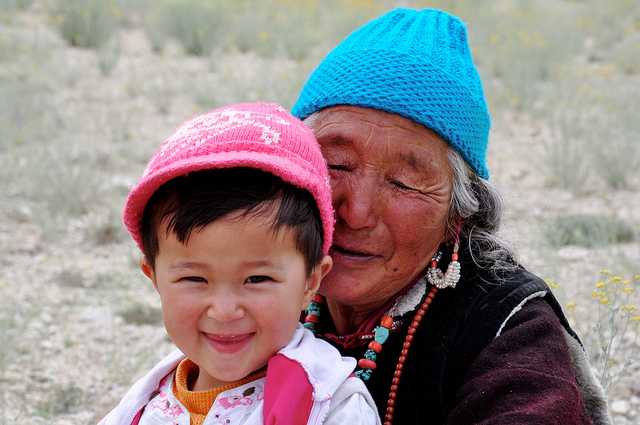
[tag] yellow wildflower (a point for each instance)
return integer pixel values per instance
(552, 283)
(637, 277)
(636, 318)
(600, 284)
(596, 294)
(626, 282)
(604, 300)
(629, 308)
(571, 305)
(628, 290)
(615, 279)
(605, 272)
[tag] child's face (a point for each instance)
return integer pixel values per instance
(231, 297)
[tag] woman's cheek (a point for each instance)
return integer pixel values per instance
(415, 219)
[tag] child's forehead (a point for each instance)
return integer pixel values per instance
(257, 225)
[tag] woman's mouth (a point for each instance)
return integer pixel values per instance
(351, 255)
(228, 343)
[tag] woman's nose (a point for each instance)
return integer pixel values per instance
(356, 204)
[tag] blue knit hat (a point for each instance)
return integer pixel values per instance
(412, 63)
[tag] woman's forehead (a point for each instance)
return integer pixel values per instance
(355, 127)
(346, 122)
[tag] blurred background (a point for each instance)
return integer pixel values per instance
(89, 88)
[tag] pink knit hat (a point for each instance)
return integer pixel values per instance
(254, 135)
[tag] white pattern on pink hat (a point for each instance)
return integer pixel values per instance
(255, 135)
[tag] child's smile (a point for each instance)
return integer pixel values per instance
(232, 294)
(229, 343)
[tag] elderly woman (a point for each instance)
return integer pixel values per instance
(447, 326)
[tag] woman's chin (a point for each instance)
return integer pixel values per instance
(351, 288)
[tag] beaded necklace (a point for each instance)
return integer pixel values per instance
(367, 364)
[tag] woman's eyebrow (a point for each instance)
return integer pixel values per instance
(334, 138)
(413, 162)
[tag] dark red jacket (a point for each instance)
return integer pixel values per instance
(458, 372)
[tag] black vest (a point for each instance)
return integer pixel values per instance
(458, 325)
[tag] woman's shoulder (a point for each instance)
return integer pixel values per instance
(486, 301)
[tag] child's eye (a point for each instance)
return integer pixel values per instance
(196, 279)
(259, 279)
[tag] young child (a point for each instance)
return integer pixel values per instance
(233, 216)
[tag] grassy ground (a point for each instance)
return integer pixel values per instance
(90, 88)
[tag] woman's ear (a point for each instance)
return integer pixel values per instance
(315, 278)
(148, 271)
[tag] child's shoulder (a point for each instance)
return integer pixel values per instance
(325, 367)
(352, 403)
(143, 390)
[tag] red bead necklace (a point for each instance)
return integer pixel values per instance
(368, 364)
(408, 339)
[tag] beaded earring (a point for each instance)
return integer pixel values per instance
(452, 276)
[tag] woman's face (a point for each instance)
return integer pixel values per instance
(391, 183)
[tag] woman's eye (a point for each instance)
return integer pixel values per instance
(338, 167)
(403, 186)
(259, 279)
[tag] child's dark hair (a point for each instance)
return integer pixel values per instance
(195, 200)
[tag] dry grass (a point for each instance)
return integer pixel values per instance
(80, 322)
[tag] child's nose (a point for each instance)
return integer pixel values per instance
(224, 309)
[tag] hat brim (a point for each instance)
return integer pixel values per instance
(284, 168)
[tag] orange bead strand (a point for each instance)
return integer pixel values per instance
(393, 391)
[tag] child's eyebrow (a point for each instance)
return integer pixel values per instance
(187, 265)
(259, 263)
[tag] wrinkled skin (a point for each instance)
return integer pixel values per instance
(391, 183)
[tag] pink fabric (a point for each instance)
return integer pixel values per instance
(255, 135)
(288, 395)
(136, 418)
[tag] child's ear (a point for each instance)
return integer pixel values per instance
(315, 278)
(147, 269)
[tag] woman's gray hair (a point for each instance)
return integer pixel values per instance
(477, 203)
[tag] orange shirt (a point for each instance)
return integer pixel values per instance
(198, 403)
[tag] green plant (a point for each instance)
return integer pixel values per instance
(522, 45)
(22, 101)
(616, 132)
(141, 314)
(15, 4)
(250, 77)
(108, 56)
(587, 230)
(594, 131)
(70, 278)
(105, 229)
(613, 330)
(60, 181)
(15, 317)
(626, 55)
(86, 23)
(198, 26)
(62, 399)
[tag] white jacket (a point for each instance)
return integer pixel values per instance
(338, 397)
